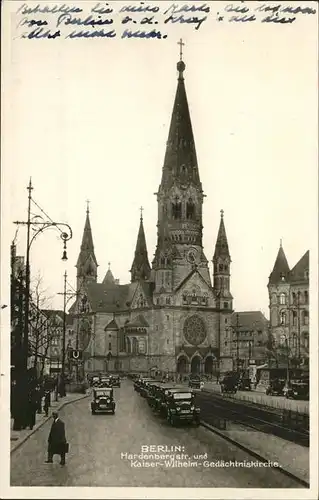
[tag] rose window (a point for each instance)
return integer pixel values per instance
(194, 330)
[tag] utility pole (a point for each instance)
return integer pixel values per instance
(237, 342)
(64, 329)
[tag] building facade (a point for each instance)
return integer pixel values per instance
(172, 316)
(289, 308)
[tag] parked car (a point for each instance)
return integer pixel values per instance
(103, 401)
(244, 383)
(116, 381)
(181, 407)
(276, 387)
(229, 383)
(297, 389)
(194, 382)
(95, 381)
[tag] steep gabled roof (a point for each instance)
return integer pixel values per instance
(249, 320)
(187, 278)
(112, 325)
(138, 322)
(109, 278)
(281, 268)
(298, 272)
(107, 298)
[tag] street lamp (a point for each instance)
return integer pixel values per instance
(38, 226)
(284, 336)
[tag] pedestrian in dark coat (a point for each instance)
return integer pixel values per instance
(57, 441)
(32, 406)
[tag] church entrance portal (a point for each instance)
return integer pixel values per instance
(195, 365)
(209, 365)
(182, 365)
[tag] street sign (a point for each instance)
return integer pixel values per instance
(75, 354)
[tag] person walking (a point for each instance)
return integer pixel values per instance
(57, 444)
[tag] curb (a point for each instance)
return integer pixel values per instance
(25, 438)
(253, 453)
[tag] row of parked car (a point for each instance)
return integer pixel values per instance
(168, 400)
(105, 381)
(294, 389)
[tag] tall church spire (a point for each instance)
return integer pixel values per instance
(180, 163)
(86, 264)
(180, 200)
(140, 269)
(221, 247)
(221, 262)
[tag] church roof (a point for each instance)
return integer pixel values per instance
(281, 268)
(192, 272)
(221, 247)
(298, 272)
(109, 278)
(87, 247)
(108, 298)
(180, 162)
(249, 320)
(138, 322)
(141, 267)
(112, 325)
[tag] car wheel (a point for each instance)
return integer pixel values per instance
(93, 412)
(172, 420)
(113, 412)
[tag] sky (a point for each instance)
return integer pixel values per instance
(88, 119)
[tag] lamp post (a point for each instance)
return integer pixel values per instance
(38, 226)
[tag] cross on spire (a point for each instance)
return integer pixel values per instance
(109, 264)
(141, 210)
(87, 206)
(222, 213)
(180, 43)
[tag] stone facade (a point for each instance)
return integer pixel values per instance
(171, 317)
(289, 307)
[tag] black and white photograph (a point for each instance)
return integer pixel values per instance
(159, 249)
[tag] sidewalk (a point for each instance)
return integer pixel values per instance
(17, 438)
(290, 457)
(261, 398)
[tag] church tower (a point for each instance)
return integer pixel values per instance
(278, 290)
(141, 268)
(180, 198)
(221, 262)
(86, 264)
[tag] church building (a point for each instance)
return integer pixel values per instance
(172, 316)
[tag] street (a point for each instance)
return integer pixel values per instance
(96, 444)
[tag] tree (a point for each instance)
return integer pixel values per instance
(42, 327)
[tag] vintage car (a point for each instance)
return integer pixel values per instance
(297, 389)
(244, 383)
(105, 381)
(146, 383)
(116, 381)
(229, 383)
(139, 384)
(103, 401)
(161, 402)
(95, 381)
(181, 407)
(152, 391)
(194, 382)
(276, 387)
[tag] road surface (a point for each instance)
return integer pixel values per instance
(98, 444)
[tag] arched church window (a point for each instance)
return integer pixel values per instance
(177, 209)
(282, 299)
(221, 267)
(190, 209)
(162, 261)
(168, 301)
(283, 318)
(226, 267)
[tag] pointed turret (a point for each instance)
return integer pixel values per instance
(221, 247)
(86, 264)
(141, 268)
(221, 261)
(180, 163)
(109, 278)
(281, 269)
